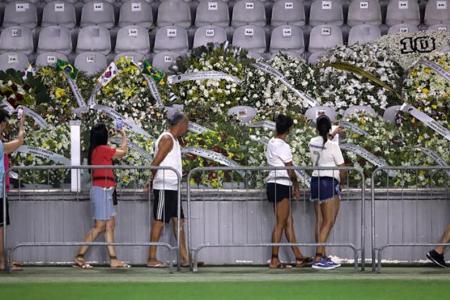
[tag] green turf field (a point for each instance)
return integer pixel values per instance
(224, 283)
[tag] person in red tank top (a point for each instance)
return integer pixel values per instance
(102, 191)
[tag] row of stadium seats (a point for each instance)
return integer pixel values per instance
(217, 12)
(137, 39)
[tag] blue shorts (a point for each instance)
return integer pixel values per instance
(102, 203)
(324, 188)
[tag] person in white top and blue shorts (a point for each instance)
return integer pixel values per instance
(282, 186)
(166, 189)
(325, 188)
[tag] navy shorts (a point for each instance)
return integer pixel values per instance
(1, 213)
(324, 188)
(165, 206)
(277, 192)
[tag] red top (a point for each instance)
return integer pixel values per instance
(102, 156)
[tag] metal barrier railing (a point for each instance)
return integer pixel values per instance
(250, 178)
(406, 191)
(57, 178)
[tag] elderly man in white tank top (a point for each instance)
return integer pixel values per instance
(165, 187)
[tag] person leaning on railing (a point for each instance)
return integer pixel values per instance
(282, 185)
(7, 148)
(325, 188)
(102, 193)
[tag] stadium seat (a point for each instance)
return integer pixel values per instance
(163, 60)
(16, 61)
(59, 13)
(403, 28)
(402, 11)
(97, 13)
(49, 58)
(290, 12)
(439, 27)
(315, 57)
(212, 13)
(174, 12)
(133, 39)
(16, 39)
(326, 12)
(437, 12)
(288, 39)
(171, 38)
(248, 12)
(323, 37)
(134, 56)
(136, 12)
(56, 39)
(363, 34)
(94, 39)
(364, 12)
(209, 34)
(20, 13)
(250, 37)
(90, 62)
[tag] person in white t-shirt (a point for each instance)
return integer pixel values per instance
(325, 187)
(279, 191)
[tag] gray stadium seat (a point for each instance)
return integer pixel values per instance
(16, 39)
(59, 13)
(97, 13)
(250, 37)
(403, 28)
(171, 38)
(364, 12)
(56, 39)
(290, 12)
(94, 39)
(326, 12)
(20, 13)
(248, 12)
(437, 12)
(133, 38)
(323, 37)
(164, 60)
(288, 39)
(90, 62)
(136, 12)
(402, 11)
(16, 61)
(363, 34)
(174, 12)
(109, 1)
(136, 57)
(212, 12)
(49, 58)
(439, 27)
(209, 34)
(315, 57)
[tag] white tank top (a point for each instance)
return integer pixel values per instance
(167, 179)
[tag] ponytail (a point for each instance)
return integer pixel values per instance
(323, 125)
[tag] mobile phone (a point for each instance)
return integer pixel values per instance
(119, 124)
(19, 113)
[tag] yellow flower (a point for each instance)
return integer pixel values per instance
(427, 70)
(59, 92)
(425, 91)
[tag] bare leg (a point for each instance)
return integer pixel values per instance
(444, 240)
(109, 237)
(183, 250)
(155, 235)
(290, 236)
(100, 227)
(282, 211)
(2, 251)
(318, 224)
(329, 212)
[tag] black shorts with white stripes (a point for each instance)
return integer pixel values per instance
(165, 206)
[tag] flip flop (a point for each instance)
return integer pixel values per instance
(302, 262)
(124, 266)
(158, 265)
(81, 265)
(280, 266)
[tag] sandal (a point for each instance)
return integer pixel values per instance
(303, 261)
(156, 265)
(123, 264)
(80, 263)
(279, 265)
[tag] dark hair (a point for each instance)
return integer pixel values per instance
(98, 137)
(283, 123)
(4, 116)
(175, 118)
(323, 125)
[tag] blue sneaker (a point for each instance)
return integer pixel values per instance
(325, 263)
